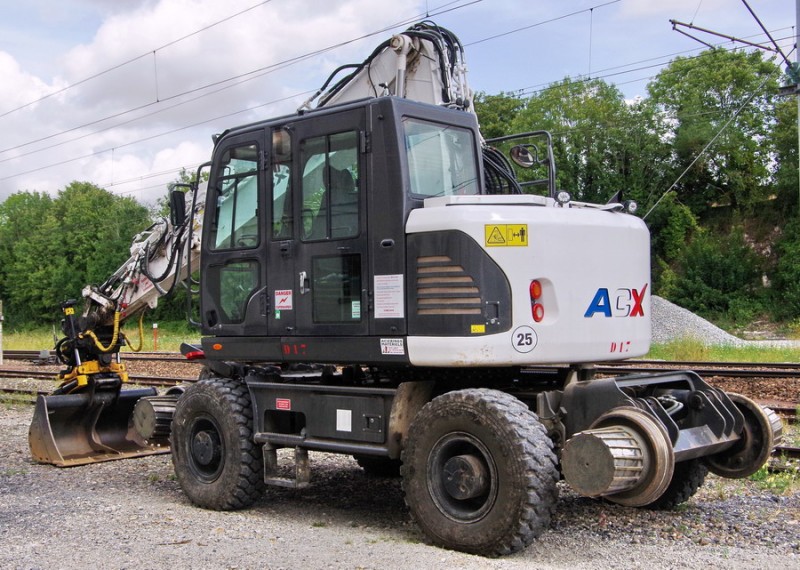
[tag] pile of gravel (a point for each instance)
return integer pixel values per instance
(671, 322)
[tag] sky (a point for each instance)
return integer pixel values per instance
(125, 93)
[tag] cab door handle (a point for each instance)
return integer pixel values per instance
(304, 288)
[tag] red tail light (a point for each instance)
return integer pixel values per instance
(535, 290)
(537, 309)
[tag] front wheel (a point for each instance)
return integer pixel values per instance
(479, 472)
(216, 461)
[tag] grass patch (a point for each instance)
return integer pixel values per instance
(12, 401)
(170, 337)
(689, 349)
(779, 483)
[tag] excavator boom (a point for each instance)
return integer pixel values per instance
(89, 418)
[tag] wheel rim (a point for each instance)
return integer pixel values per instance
(205, 449)
(462, 477)
(761, 426)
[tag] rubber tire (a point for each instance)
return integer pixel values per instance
(382, 467)
(687, 478)
(220, 406)
(523, 491)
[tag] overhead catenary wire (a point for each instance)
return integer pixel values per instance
(617, 73)
(132, 60)
(227, 115)
(250, 75)
(709, 143)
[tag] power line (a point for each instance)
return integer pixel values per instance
(248, 76)
(132, 60)
(244, 78)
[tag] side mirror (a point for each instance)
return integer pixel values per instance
(177, 208)
(522, 156)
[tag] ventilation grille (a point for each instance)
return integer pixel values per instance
(444, 288)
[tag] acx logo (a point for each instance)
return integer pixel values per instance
(627, 303)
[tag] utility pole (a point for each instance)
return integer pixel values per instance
(792, 68)
(1, 332)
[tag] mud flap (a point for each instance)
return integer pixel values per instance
(78, 429)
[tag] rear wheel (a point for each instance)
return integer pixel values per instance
(687, 478)
(479, 472)
(216, 461)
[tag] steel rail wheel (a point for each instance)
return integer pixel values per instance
(216, 461)
(479, 472)
(762, 430)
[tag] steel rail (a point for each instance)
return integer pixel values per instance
(132, 379)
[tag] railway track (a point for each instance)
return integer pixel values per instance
(134, 379)
(41, 355)
(732, 369)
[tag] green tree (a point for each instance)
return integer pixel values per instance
(786, 277)
(601, 143)
(720, 275)
(56, 246)
(20, 214)
(784, 136)
(496, 113)
(698, 96)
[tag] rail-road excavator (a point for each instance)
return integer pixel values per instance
(377, 280)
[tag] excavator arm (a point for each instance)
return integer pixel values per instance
(425, 63)
(86, 419)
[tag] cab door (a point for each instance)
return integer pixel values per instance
(330, 253)
(233, 266)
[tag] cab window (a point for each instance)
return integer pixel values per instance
(441, 159)
(235, 223)
(330, 187)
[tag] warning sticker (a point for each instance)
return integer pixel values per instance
(283, 300)
(506, 235)
(392, 346)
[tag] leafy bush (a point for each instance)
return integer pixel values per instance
(720, 276)
(786, 278)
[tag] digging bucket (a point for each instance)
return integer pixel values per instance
(78, 429)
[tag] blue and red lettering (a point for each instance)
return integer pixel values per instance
(626, 303)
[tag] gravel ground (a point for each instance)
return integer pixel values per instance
(132, 514)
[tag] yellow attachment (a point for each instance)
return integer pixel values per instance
(114, 337)
(82, 373)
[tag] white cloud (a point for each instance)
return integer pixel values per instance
(268, 35)
(45, 46)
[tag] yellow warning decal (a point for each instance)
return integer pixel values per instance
(506, 235)
(477, 329)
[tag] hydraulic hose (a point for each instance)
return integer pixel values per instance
(114, 337)
(141, 335)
